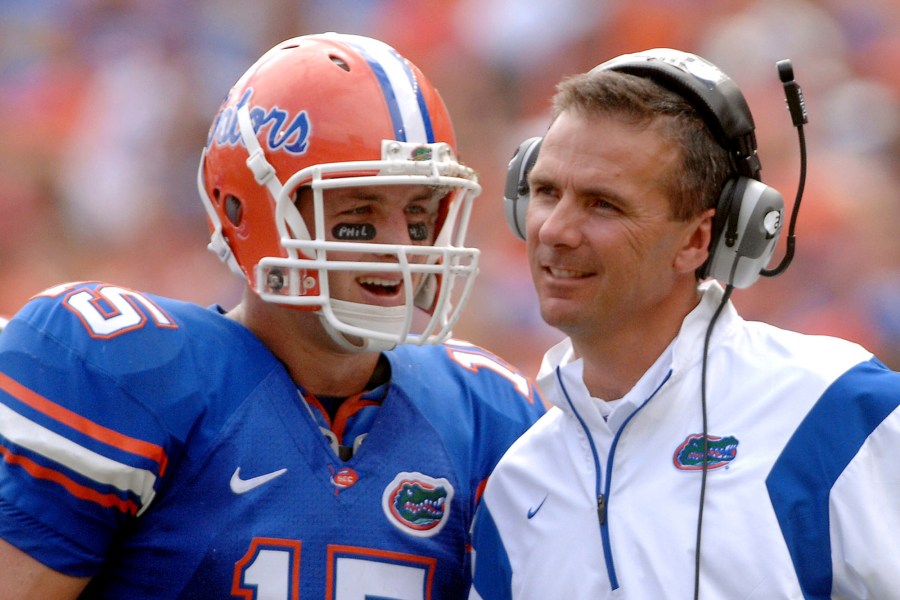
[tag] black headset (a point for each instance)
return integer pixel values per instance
(749, 214)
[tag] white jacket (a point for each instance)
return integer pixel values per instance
(802, 495)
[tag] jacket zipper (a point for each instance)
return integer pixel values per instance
(602, 488)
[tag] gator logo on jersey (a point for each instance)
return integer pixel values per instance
(417, 504)
(720, 452)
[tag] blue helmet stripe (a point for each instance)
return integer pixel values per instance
(409, 113)
(420, 99)
(391, 98)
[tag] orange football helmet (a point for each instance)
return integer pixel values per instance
(325, 111)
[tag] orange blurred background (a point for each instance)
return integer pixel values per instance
(105, 105)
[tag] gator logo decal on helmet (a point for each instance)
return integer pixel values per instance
(417, 504)
(420, 153)
(720, 452)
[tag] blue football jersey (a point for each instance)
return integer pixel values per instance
(161, 449)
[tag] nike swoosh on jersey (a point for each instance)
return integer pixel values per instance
(534, 509)
(242, 486)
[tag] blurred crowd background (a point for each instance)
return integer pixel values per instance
(105, 106)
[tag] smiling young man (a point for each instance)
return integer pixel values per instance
(325, 438)
(689, 452)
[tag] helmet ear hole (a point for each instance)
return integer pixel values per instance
(234, 209)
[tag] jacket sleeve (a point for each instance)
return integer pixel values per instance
(835, 486)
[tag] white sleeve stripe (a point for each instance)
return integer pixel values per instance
(53, 446)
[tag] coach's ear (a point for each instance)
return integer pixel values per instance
(695, 248)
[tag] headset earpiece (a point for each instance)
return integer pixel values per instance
(745, 231)
(516, 192)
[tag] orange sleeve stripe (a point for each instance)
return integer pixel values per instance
(93, 430)
(79, 491)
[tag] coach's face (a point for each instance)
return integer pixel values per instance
(606, 255)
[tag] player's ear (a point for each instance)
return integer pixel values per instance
(695, 248)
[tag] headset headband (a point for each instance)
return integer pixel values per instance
(705, 87)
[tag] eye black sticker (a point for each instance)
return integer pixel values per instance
(357, 232)
(418, 232)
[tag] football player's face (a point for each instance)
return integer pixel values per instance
(394, 215)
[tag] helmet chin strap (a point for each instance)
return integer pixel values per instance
(390, 320)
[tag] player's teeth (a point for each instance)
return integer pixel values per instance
(378, 281)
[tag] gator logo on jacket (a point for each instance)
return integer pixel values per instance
(417, 504)
(720, 452)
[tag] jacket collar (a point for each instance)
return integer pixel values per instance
(561, 381)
